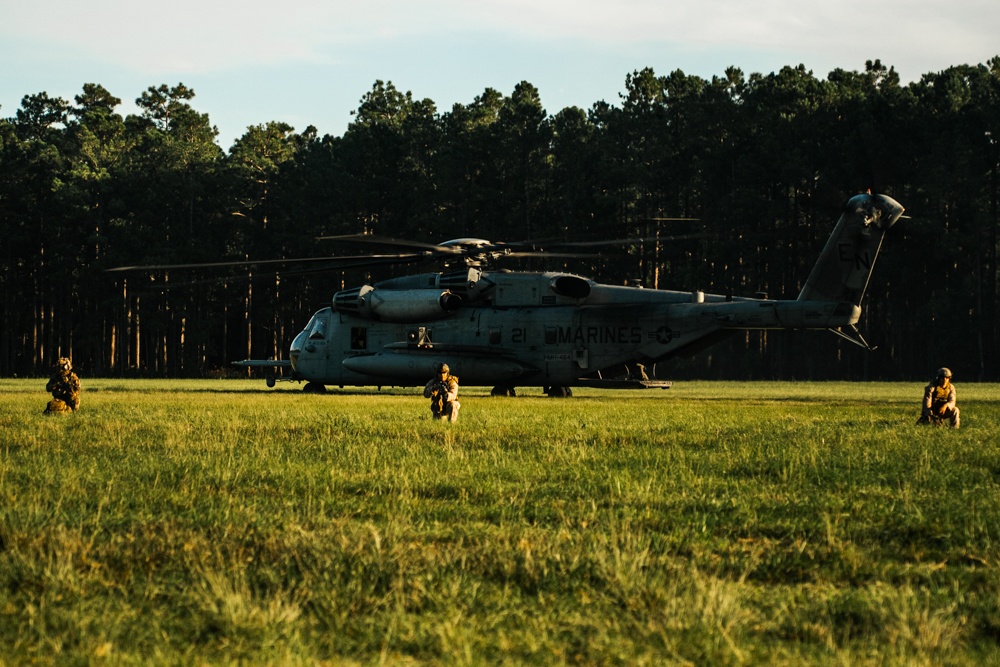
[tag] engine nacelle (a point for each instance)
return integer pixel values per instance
(466, 282)
(401, 306)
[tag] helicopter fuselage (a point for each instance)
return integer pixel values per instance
(557, 343)
(550, 329)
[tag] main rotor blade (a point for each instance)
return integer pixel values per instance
(386, 261)
(367, 261)
(638, 239)
(385, 240)
(257, 262)
(545, 253)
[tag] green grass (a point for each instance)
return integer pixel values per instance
(715, 523)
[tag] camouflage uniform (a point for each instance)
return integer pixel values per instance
(939, 401)
(443, 392)
(65, 388)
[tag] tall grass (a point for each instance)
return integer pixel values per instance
(715, 523)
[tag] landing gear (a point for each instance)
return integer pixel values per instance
(314, 388)
(558, 392)
(503, 390)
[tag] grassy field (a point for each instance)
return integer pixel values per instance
(218, 521)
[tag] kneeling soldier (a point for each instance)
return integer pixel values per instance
(939, 401)
(443, 392)
(65, 388)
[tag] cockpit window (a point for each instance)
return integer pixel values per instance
(317, 328)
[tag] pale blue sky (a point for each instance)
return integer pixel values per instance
(308, 62)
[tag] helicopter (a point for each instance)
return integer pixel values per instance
(554, 330)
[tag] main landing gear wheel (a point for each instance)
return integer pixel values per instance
(503, 390)
(558, 392)
(314, 388)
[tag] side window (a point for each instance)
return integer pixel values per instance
(359, 338)
(495, 336)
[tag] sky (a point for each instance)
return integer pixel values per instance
(309, 62)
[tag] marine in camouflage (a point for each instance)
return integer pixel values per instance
(443, 392)
(940, 400)
(65, 388)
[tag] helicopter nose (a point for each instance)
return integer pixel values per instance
(296, 348)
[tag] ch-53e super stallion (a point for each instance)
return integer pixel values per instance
(559, 330)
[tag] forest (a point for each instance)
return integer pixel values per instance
(741, 176)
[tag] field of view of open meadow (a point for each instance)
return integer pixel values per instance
(202, 522)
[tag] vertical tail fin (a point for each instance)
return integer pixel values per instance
(846, 263)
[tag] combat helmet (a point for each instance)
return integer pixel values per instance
(944, 372)
(64, 365)
(443, 368)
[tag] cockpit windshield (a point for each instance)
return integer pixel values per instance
(317, 326)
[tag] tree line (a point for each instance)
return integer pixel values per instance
(733, 184)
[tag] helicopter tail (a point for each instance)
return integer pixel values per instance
(847, 260)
